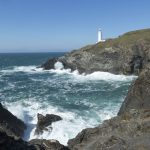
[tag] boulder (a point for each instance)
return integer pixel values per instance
(45, 121)
(10, 123)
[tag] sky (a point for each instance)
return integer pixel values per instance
(64, 25)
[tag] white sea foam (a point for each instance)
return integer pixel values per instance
(29, 69)
(106, 76)
(98, 75)
(62, 71)
(72, 122)
(58, 66)
(63, 130)
(59, 70)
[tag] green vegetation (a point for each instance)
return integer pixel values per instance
(126, 40)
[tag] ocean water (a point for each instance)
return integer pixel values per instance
(82, 101)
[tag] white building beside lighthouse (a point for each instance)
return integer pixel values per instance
(100, 39)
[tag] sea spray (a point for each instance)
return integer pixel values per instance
(58, 66)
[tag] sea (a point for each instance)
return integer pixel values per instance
(83, 101)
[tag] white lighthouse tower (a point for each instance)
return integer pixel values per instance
(100, 36)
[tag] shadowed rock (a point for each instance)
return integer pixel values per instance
(11, 143)
(11, 124)
(49, 64)
(44, 121)
(138, 96)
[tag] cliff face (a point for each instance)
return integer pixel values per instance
(127, 54)
(130, 130)
(139, 94)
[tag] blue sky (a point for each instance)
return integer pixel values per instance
(62, 25)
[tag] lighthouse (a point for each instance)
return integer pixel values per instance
(100, 36)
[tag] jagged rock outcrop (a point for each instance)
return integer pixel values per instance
(130, 130)
(138, 96)
(44, 121)
(11, 143)
(49, 64)
(10, 123)
(127, 54)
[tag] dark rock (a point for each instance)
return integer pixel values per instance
(48, 144)
(136, 64)
(127, 54)
(138, 96)
(49, 64)
(130, 130)
(11, 124)
(11, 143)
(44, 121)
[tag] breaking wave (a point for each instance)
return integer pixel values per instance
(82, 101)
(59, 69)
(62, 130)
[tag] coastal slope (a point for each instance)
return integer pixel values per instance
(126, 54)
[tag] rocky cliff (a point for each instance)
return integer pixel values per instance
(130, 130)
(127, 54)
(139, 94)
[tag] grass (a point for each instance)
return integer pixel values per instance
(126, 40)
